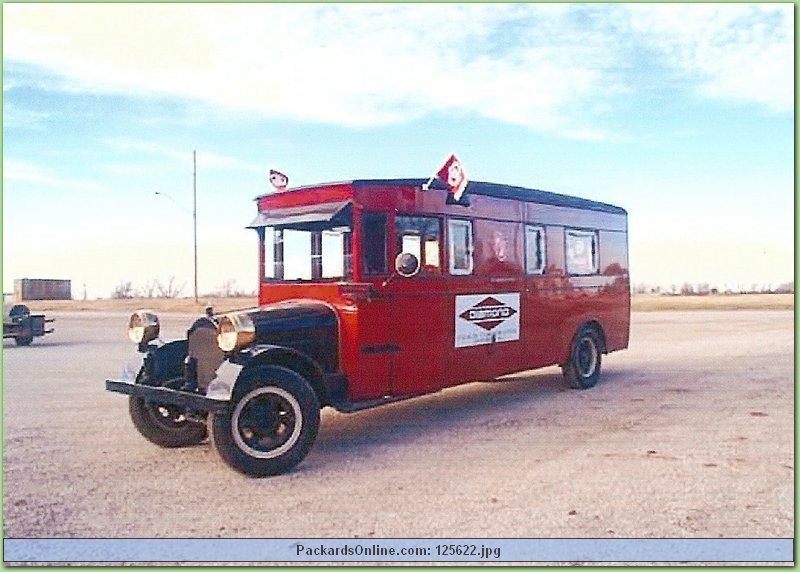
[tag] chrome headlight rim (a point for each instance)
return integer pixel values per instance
(235, 331)
(143, 327)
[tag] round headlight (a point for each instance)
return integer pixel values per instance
(235, 331)
(143, 327)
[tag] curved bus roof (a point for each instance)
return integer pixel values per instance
(496, 190)
(504, 192)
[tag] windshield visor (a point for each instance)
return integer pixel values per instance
(306, 243)
(304, 216)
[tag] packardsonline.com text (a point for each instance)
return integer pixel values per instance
(377, 551)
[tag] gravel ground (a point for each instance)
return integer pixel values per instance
(688, 434)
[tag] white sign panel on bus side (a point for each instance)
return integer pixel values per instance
(486, 319)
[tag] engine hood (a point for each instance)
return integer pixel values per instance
(307, 326)
(290, 316)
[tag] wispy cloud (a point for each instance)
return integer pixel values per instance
(548, 67)
(15, 116)
(730, 51)
(15, 170)
(210, 159)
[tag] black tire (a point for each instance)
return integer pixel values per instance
(23, 340)
(165, 425)
(583, 368)
(271, 424)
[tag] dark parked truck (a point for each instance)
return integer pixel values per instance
(20, 324)
(373, 291)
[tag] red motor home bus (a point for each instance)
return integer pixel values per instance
(373, 291)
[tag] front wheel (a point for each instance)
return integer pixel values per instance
(165, 425)
(271, 424)
(583, 368)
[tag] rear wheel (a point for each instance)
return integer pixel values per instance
(165, 425)
(271, 424)
(583, 368)
(23, 340)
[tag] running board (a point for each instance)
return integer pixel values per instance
(353, 406)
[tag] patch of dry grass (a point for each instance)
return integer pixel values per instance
(654, 303)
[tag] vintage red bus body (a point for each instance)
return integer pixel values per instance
(375, 291)
(402, 336)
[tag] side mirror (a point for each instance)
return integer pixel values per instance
(406, 264)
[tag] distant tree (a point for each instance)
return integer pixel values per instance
(168, 289)
(149, 289)
(228, 289)
(123, 290)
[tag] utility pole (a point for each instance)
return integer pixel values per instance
(194, 218)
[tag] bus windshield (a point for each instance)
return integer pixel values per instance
(302, 253)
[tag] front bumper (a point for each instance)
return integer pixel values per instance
(217, 397)
(167, 396)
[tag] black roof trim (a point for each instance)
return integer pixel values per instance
(503, 192)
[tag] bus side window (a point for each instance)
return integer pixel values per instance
(534, 249)
(582, 253)
(373, 243)
(459, 238)
(419, 236)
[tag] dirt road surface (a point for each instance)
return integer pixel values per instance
(688, 434)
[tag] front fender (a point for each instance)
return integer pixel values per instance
(289, 358)
(163, 362)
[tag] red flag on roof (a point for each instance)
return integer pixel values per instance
(452, 174)
(278, 180)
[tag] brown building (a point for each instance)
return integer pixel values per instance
(42, 289)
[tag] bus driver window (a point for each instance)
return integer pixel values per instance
(373, 243)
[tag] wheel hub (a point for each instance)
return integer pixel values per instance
(267, 422)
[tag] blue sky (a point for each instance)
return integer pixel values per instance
(681, 113)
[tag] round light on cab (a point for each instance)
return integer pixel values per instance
(143, 327)
(235, 331)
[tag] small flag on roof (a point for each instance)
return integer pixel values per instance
(451, 174)
(278, 180)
